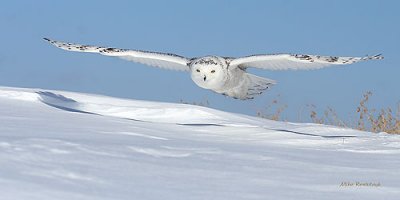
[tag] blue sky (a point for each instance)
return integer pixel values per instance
(197, 28)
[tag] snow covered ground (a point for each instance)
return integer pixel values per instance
(63, 145)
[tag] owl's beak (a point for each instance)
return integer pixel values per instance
(205, 77)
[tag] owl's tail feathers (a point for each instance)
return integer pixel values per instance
(257, 85)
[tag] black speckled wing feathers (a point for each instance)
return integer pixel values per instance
(162, 60)
(295, 61)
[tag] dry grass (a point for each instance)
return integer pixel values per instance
(204, 103)
(330, 117)
(273, 110)
(386, 120)
(367, 119)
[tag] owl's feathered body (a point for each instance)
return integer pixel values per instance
(214, 73)
(224, 75)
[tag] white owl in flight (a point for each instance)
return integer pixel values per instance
(224, 75)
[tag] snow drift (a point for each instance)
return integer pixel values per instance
(64, 145)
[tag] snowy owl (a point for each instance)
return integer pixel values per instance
(224, 75)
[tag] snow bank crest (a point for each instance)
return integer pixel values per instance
(122, 108)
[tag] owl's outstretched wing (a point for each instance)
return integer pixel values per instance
(295, 61)
(162, 60)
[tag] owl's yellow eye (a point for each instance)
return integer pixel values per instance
(197, 70)
(212, 71)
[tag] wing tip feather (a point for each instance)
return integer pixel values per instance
(375, 57)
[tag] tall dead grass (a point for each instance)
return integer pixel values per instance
(366, 118)
(384, 120)
(273, 110)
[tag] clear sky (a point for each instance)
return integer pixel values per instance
(197, 28)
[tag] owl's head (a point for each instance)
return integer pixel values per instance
(209, 72)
